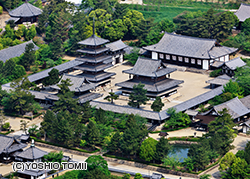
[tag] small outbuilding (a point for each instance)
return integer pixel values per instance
(230, 66)
(243, 13)
(219, 81)
(245, 126)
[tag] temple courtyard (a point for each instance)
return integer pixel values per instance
(194, 85)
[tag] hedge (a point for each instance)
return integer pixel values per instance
(7, 132)
(58, 145)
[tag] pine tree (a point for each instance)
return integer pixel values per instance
(100, 116)
(28, 57)
(157, 104)
(115, 142)
(87, 113)
(92, 134)
(52, 79)
(111, 97)
(138, 96)
(163, 148)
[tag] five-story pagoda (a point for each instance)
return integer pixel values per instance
(96, 60)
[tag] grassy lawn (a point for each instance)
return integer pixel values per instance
(159, 13)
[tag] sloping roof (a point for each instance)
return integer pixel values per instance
(98, 77)
(235, 108)
(95, 59)
(79, 83)
(117, 45)
(60, 68)
(247, 123)
(246, 101)
(15, 19)
(219, 80)
(235, 63)
(205, 119)
(89, 97)
(93, 41)
(149, 67)
(9, 144)
(243, 12)
(217, 64)
(14, 51)
(129, 110)
(32, 153)
(189, 46)
(26, 10)
(198, 99)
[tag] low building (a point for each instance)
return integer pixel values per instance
(229, 67)
(189, 51)
(117, 51)
(80, 86)
(9, 147)
(154, 75)
(243, 13)
(14, 51)
(218, 81)
(25, 13)
(245, 126)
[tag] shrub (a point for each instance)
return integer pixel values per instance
(6, 125)
(1, 10)
(215, 73)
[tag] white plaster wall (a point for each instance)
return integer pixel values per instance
(154, 55)
(205, 64)
(121, 58)
(222, 59)
(226, 58)
(113, 62)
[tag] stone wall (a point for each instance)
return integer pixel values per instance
(182, 142)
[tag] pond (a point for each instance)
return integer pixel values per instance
(179, 151)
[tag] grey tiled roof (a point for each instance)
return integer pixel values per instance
(32, 153)
(117, 45)
(60, 68)
(246, 101)
(189, 46)
(151, 86)
(243, 12)
(89, 97)
(129, 110)
(94, 59)
(149, 68)
(14, 51)
(79, 83)
(15, 19)
(26, 10)
(217, 64)
(93, 51)
(9, 144)
(234, 63)
(44, 95)
(247, 123)
(235, 108)
(198, 99)
(93, 41)
(220, 80)
(93, 68)
(98, 77)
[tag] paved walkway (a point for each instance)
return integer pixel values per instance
(179, 133)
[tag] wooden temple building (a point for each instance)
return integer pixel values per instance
(154, 75)
(25, 13)
(95, 59)
(80, 86)
(243, 13)
(188, 51)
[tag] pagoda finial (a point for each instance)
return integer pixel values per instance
(93, 25)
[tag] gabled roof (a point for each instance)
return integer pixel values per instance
(217, 64)
(26, 10)
(243, 12)
(247, 123)
(32, 153)
(189, 46)
(117, 45)
(235, 108)
(149, 67)
(246, 101)
(93, 41)
(219, 80)
(14, 51)
(9, 144)
(79, 83)
(235, 63)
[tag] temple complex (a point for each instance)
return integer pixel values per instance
(154, 75)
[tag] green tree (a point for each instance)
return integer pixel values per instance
(97, 162)
(30, 33)
(54, 157)
(138, 96)
(28, 57)
(87, 113)
(246, 26)
(227, 161)
(92, 134)
(189, 163)
(162, 149)
(24, 126)
(173, 162)
(53, 77)
(233, 88)
(243, 78)
(138, 176)
(205, 176)
(176, 119)
(148, 149)
(114, 145)
(157, 104)
(111, 97)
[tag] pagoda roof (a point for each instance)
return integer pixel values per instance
(79, 83)
(117, 45)
(26, 10)
(149, 68)
(93, 51)
(243, 12)
(93, 41)
(190, 47)
(94, 59)
(155, 87)
(32, 153)
(93, 68)
(98, 77)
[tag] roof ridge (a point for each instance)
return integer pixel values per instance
(186, 36)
